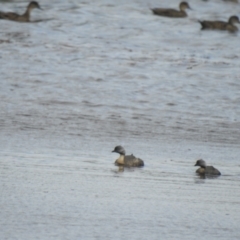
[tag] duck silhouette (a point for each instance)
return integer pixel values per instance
(221, 25)
(20, 18)
(168, 12)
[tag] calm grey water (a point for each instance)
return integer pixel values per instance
(96, 74)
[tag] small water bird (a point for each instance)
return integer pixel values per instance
(20, 18)
(127, 160)
(168, 12)
(204, 169)
(221, 25)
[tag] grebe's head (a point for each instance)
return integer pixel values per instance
(120, 150)
(200, 163)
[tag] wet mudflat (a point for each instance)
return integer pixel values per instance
(100, 74)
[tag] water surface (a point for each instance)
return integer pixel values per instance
(93, 75)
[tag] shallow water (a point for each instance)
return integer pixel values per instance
(98, 74)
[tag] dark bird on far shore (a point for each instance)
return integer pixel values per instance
(20, 18)
(221, 25)
(168, 12)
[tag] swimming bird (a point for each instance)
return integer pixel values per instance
(168, 12)
(221, 25)
(127, 160)
(204, 169)
(20, 18)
